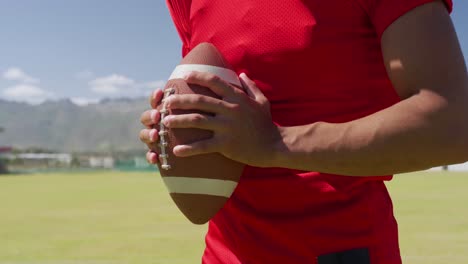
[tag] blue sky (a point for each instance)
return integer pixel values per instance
(88, 49)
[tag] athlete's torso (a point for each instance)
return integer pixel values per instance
(315, 60)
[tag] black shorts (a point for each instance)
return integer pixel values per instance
(353, 256)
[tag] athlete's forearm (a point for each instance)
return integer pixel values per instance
(418, 133)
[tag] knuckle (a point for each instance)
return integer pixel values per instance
(191, 75)
(149, 156)
(196, 99)
(221, 104)
(170, 121)
(234, 107)
(199, 99)
(175, 101)
(197, 118)
(143, 117)
(142, 135)
(213, 78)
(171, 100)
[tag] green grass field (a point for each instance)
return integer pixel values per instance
(128, 218)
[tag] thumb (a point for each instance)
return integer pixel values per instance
(252, 90)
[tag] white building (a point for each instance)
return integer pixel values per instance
(462, 167)
(101, 162)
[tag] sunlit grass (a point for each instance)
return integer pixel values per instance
(432, 211)
(95, 218)
(112, 217)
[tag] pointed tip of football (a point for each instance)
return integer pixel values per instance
(207, 54)
(197, 208)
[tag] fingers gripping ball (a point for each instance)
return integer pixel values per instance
(163, 143)
(199, 185)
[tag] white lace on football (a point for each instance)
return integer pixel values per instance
(163, 133)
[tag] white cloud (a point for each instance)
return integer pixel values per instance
(26, 93)
(155, 85)
(16, 74)
(118, 85)
(84, 75)
(111, 85)
(24, 90)
(83, 101)
(146, 88)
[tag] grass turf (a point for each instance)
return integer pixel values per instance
(126, 218)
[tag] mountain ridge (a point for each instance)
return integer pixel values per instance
(61, 125)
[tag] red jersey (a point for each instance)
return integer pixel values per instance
(315, 61)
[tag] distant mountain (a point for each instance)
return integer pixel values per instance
(111, 125)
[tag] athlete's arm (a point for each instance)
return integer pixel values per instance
(429, 127)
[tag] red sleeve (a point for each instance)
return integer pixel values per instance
(384, 12)
(180, 13)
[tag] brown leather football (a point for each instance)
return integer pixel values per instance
(199, 185)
